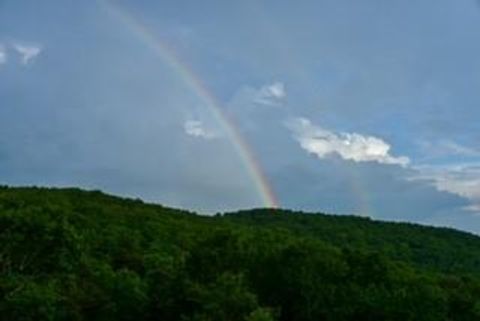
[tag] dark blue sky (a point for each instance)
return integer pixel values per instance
(368, 107)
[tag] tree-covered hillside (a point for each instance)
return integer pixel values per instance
(68, 254)
(440, 249)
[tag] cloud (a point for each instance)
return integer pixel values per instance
(349, 146)
(368, 188)
(271, 95)
(462, 180)
(27, 52)
(3, 54)
(196, 128)
(458, 177)
(447, 148)
(457, 149)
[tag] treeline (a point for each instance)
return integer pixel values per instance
(74, 255)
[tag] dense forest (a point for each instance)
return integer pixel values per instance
(68, 254)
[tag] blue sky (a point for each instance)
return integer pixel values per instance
(366, 107)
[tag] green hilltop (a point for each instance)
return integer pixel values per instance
(68, 254)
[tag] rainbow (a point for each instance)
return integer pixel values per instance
(188, 76)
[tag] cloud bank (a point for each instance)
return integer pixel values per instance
(349, 146)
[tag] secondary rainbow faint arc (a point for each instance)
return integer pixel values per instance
(197, 86)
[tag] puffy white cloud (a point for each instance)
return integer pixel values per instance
(271, 95)
(27, 52)
(349, 146)
(3, 54)
(462, 180)
(196, 128)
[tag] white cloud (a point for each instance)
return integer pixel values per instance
(462, 180)
(349, 146)
(271, 95)
(27, 52)
(3, 54)
(196, 128)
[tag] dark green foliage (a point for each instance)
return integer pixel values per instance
(74, 255)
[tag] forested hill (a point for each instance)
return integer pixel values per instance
(443, 249)
(67, 254)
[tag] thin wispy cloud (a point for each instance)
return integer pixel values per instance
(27, 52)
(3, 54)
(271, 94)
(462, 180)
(349, 146)
(447, 148)
(197, 129)
(453, 176)
(458, 149)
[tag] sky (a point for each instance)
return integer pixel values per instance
(339, 106)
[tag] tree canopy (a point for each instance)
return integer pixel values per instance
(68, 254)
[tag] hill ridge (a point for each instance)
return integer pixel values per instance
(70, 254)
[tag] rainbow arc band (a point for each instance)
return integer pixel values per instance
(190, 78)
